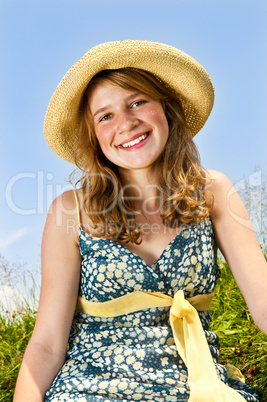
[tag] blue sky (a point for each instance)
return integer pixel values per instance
(41, 40)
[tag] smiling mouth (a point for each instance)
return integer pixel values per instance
(134, 142)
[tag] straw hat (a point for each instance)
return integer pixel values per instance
(180, 71)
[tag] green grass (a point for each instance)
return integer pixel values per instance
(242, 344)
(15, 333)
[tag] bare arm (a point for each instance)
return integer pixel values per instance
(46, 351)
(238, 243)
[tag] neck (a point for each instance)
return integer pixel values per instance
(143, 187)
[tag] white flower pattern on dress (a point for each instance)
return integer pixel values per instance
(133, 357)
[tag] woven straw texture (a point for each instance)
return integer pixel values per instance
(180, 71)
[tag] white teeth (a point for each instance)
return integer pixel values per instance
(134, 142)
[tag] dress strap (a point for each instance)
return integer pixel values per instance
(78, 207)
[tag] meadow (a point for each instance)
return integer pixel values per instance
(242, 343)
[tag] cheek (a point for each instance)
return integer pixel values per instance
(103, 138)
(104, 141)
(165, 124)
(161, 122)
(157, 117)
(105, 150)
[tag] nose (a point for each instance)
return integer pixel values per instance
(126, 122)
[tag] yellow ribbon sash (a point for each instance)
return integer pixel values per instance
(188, 334)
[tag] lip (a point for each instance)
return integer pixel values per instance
(133, 147)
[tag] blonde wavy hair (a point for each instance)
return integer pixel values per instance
(182, 180)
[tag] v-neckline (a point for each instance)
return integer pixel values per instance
(121, 246)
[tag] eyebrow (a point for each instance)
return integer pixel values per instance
(104, 108)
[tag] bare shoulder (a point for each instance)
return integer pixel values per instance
(62, 215)
(226, 198)
(218, 180)
(63, 203)
(217, 188)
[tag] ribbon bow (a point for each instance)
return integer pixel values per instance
(188, 334)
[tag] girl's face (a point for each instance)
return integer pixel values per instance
(131, 128)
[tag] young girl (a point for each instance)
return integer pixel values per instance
(129, 257)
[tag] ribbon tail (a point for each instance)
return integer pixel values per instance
(192, 345)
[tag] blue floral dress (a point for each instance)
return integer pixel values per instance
(133, 357)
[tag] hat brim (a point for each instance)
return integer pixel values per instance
(178, 70)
